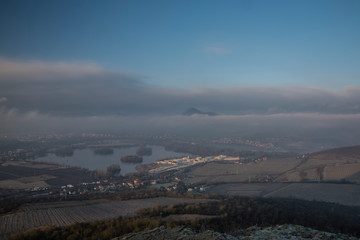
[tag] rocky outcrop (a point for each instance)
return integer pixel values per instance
(279, 232)
(288, 232)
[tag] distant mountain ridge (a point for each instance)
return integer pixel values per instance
(195, 111)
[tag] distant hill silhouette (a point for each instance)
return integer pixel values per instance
(195, 111)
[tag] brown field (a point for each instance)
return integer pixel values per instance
(341, 171)
(230, 172)
(327, 172)
(26, 182)
(330, 172)
(42, 215)
(24, 172)
(245, 189)
(300, 175)
(331, 165)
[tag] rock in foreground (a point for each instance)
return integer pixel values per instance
(279, 232)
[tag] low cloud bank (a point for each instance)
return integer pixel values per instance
(83, 97)
(289, 124)
(82, 89)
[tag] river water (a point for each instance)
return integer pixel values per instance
(86, 158)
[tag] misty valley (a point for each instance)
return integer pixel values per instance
(186, 120)
(62, 182)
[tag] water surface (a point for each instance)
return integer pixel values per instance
(86, 158)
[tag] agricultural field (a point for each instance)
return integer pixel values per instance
(245, 189)
(216, 172)
(26, 182)
(42, 215)
(341, 171)
(314, 161)
(298, 175)
(336, 172)
(335, 164)
(331, 165)
(40, 175)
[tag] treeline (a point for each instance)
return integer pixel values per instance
(241, 212)
(231, 215)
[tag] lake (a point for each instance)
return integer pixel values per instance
(86, 158)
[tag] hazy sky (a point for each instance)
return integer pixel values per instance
(193, 43)
(95, 61)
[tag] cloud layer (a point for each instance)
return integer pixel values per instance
(76, 97)
(78, 89)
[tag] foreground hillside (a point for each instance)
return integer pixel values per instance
(230, 215)
(60, 214)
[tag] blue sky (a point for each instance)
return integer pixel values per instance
(189, 44)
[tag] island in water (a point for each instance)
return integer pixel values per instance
(131, 159)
